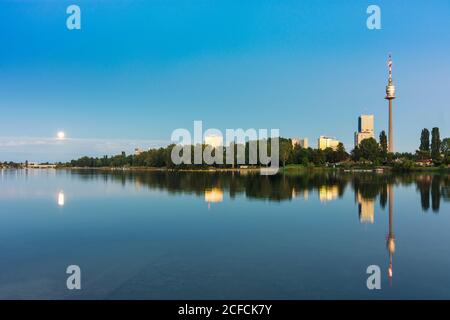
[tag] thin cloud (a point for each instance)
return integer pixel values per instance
(52, 149)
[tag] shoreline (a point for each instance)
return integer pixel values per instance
(288, 169)
(156, 169)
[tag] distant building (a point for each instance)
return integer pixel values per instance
(365, 128)
(36, 165)
(424, 162)
(327, 142)
(302, 142)
(137, 151)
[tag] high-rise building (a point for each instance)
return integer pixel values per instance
(365, 128)
(327, 142)
(302, 142)
(390, 95)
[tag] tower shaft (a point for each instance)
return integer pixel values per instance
(391, 129)
(390, 95)
(391, 209)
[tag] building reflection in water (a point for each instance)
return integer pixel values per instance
(213, 195)
(300, 193)
(366, 209)
(390, 240)
(328, 193)
(61, 198)
(329, 186)
(137, 184)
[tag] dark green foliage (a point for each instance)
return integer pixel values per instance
(383, 144)
(435, 146)
(425, 140)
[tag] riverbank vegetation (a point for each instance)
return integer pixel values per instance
(369, 154)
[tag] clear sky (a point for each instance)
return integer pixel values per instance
(137, 70)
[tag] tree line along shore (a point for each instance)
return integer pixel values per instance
(432, 154)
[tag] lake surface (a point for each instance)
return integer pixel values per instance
(158, 235)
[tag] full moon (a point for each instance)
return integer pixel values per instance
(61, 135)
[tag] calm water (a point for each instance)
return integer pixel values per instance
(213, 236)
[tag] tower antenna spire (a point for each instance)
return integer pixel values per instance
(390, 66)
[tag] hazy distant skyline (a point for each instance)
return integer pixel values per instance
(137, 70)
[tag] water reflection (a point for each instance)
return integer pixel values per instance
(61, 198)
(213, 195)
(328, 193)
(432, 188)
(328, 186)
(366, 208)
(300, 193)
(259, 246)
(390, 240)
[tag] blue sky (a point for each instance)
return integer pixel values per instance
(137, 70)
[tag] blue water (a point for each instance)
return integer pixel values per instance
(221, 236)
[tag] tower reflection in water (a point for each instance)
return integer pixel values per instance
(366, 212)
(390, 240)
(431, 188)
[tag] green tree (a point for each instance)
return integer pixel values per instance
(369, 149)
(317, 157)
(445, 149)
(341, 154)
(435, 145)
(383, 144)
(285, 150)
(356, 154)
(425, 140)
(301, 155)
(330, 155)
(445, 146)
